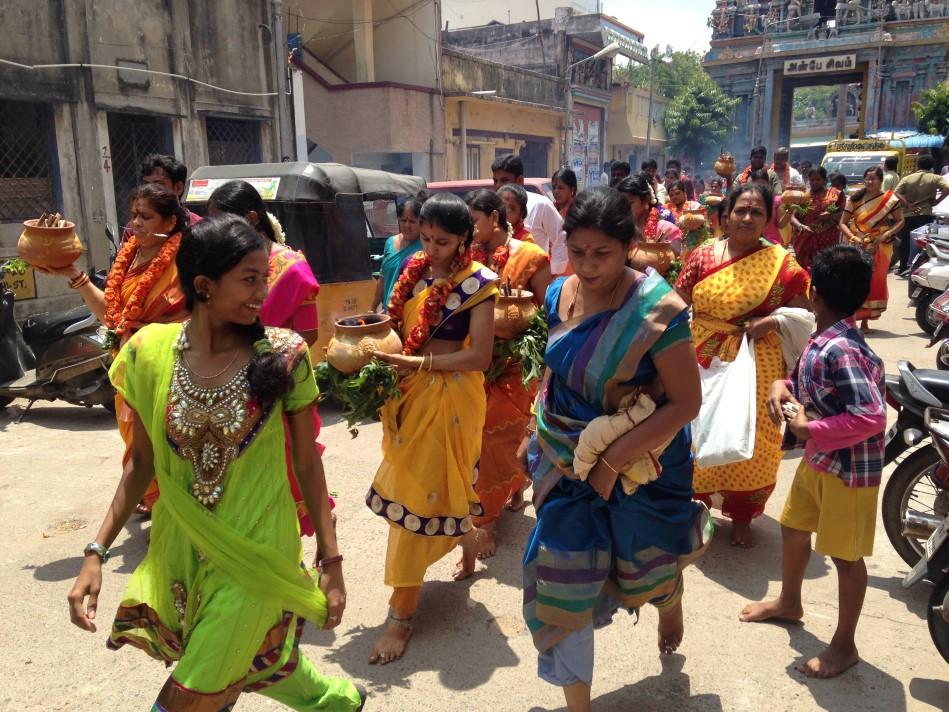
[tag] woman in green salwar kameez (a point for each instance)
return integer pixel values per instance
(222, 592)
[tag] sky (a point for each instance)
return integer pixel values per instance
(680, 23)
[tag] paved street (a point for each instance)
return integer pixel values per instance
(470, 649)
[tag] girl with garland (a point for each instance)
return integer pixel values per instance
(520, 265)
(221, 592)
(515, 204)
(817, 226)
(661, 240)
(142, 288)
(291, 292)
(443, 308)
(619, 342)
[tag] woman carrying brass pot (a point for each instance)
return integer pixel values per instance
(142, 288)
(661, 240)
(520, 265)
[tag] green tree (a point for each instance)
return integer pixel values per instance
(932, 113)
(676, 73)
(699, 119)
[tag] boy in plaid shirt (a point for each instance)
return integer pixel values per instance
(834, 408)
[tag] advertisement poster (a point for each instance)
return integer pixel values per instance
(200, 189)
(587, 162)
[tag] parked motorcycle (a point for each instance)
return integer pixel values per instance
(53, 356)
(916, 495)
(934, 561)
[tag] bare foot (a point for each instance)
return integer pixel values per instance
(466, 566)
(143, 509)
(771, 610)
(486, 542)
(741, 535)
(392, 644)
(671, 629)
(830, 663)
(516, 503)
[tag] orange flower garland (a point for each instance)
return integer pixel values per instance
(497, 260)
(118, 317)
(431, 311)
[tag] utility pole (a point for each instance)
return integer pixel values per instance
(653, 60)
(284, 137)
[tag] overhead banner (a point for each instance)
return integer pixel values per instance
(820, 65)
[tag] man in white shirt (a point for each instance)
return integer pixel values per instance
(543, 219)
(605, 175)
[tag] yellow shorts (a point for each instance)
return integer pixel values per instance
(844, 518)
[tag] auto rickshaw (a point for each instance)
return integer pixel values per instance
(336, 215)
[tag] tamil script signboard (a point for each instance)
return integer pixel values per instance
(820, 65)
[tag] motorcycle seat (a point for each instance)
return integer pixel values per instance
(49, 326)
(936, 382)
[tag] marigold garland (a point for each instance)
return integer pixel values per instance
(431, 311)
(744, 175)
(651, 230)
(118, 316)
(498, 258)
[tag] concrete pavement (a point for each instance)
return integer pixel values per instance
(59, 468)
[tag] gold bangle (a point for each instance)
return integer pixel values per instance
(79, 281)
(421, 363)
(431, 361)
(608, 465)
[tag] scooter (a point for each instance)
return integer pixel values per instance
(54, 356)
(929, 281)
(934, 562)
(939, 312)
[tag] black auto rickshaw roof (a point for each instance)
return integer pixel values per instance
(303, 181)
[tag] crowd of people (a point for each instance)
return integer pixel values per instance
(211, 320)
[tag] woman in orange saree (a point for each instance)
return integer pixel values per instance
(142, 288)
(520, 265)
(871, 220)
(734, 285)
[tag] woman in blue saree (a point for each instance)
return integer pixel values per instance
(610, 538)
(399, 248)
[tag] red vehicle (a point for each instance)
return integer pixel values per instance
(541, 186)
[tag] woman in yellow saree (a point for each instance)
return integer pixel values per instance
(734, 285)
(221, 592)
(871, 220)
(142, 288)
(520, 265)
(443, 305)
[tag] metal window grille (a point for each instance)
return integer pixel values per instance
(131, 138)
(27, 151)
(232, 141)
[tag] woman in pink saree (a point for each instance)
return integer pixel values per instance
(291, 296)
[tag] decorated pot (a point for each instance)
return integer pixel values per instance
(793, 196)
(513, 314)
(692, 221)
(713, 201)
(49, 247)
(357, 337)
(725, 165)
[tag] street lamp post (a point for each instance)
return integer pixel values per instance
(654, 57)
(610, 50)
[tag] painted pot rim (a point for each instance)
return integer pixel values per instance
(373, 322)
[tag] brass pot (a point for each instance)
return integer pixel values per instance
(49, 247)
(692, 221)
(357, 337)
(793, 196)
(513, 314)
(725, 165)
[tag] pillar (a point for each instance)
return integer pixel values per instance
(363, 38)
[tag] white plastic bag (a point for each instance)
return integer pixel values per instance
(724, 432)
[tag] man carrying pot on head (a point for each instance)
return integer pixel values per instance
(759, 155)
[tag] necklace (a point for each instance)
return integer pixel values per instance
(183, 340)
(573, 302)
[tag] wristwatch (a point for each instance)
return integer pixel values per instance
(97, 549)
